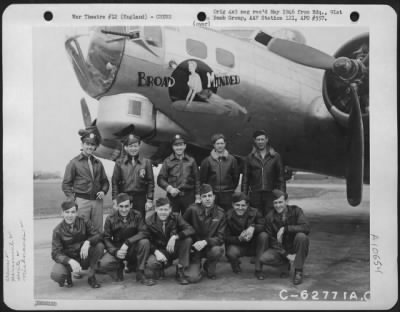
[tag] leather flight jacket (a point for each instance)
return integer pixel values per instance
(117, 232)
(68, 240)
(209, 226)
(181, 174)
(263, 174)
(221, 172)
(235, 224)
(78, 180)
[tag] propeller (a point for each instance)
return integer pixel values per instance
(355, 160)
(87, 119)
(300, 53)
(352, 73)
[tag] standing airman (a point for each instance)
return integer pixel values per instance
(85, 180)
(263, 172)
(179, 177)
(133, 175)
(221, 171)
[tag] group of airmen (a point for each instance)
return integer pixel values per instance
(200, 219)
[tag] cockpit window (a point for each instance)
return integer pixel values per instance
(96, 58)
(225, 57)
(196, 48)
(153, 36)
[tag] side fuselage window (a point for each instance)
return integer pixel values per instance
(225, 58)
(196, 48)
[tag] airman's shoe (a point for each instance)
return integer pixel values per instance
(68, 281)
(298, 277)
(207, 273)
(259, 275)
(141, 278)
(93, 282)
(180, 276)
(77, 275)
(236, 267)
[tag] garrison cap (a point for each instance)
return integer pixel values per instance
(121, 197)
(216, 137)
(258, 133)
(239, 196)
(90, 135)
(205, 188)
(177, 138)
(68, 205)
(130, 139)
(162, 201)
(278, 193)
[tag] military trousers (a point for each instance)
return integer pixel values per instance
(300, 247)
(136, 257)
(262, 200)
(256, 247)
(211, 254)
(138, 200)
(181, 252)
(224, 199)
(91, 210)
(60, 271)
(182, 201)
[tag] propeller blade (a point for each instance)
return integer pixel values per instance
(87, 119)
(355, 161)
(300, 53)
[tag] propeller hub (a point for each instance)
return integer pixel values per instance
(349, 70)
(345, 68)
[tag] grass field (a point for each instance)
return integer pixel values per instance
(48, 195)
(48, 198)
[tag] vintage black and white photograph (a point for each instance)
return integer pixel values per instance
(202, 165)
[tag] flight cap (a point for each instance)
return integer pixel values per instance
(177, 138)
(121, 197)
(130, 139)
(90, 135)
(68, 205)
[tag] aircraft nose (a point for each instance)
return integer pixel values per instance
(97, 68)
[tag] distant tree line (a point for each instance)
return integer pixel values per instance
(45, 175)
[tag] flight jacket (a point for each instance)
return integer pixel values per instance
(294, 221)
(182, 174)
(235, 225)
(221, 172)
(263, 174)
(66, 244)
(210, 227)
(174, 225)
(129, 178)
(78, 180)
(117, 232)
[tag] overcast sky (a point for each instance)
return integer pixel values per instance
(57, 93)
